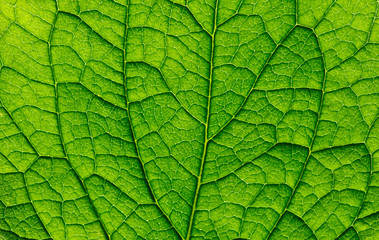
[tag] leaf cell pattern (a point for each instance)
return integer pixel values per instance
(189, 119)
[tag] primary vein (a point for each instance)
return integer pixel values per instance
(206, 141)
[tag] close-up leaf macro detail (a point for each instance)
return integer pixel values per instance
(189, 119)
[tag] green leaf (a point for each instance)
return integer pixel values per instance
(201, 119)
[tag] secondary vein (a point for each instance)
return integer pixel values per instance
(131, 126)
(80, 180)
(309, 151)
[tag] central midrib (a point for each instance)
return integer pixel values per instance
(206, 140)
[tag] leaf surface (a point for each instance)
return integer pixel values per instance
(201, 119)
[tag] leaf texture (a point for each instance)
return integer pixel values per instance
(198, 119)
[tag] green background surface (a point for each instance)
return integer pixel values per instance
(198, 119)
